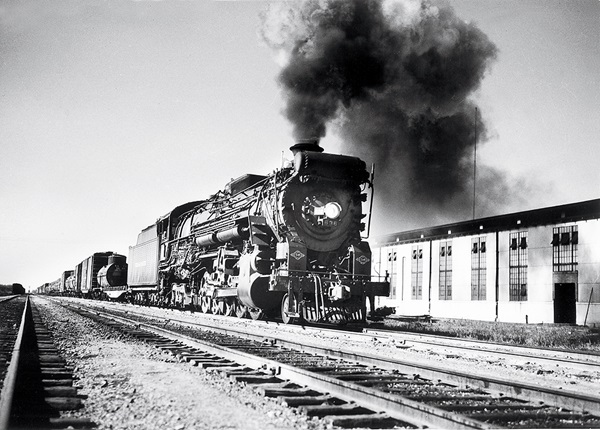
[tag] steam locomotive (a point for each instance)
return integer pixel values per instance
(288, 244)
(285, 244)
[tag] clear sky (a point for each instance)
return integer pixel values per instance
(113, 112)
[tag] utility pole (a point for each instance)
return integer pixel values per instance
(475, 164)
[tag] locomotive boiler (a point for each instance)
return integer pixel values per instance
(287, 244)
(112, 278)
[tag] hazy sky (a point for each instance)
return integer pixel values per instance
(113, 112)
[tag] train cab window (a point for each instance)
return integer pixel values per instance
(186, 228)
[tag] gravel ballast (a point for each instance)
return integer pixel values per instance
(550, 376)
(131, 385)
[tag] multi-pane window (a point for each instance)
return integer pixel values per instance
(478, 268)
(393, 270)
(564, 248)
(446, 270)
(517, 255)
(416, 272)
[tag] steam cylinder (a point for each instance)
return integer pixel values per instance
(253, 288)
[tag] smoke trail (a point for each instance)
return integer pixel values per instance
(396, 78)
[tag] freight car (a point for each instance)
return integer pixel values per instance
(66, 282)
(86, 283)
(42, 288)
(287, 244)
(18, 289)
(71, 286)
(49, 288)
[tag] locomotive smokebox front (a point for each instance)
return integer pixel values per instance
(322, 202)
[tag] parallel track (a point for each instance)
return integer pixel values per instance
(584, 361)
(12, 318)
(37, 383)
(366, 388)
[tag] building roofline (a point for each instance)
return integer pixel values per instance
(571, 212)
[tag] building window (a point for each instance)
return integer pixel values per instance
(446, 270)
(416, 272)
(478, 268)
(564, 248)
(393, 271)
(518, 260)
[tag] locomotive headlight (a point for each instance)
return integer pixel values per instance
(320, 214)
(332, 210)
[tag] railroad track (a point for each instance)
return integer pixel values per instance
(11, 333)
(355, 390)
(445, 346)
(37, 385)
(584, 361)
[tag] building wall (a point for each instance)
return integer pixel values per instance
(534, 301)
(537, 307)
(588, 303)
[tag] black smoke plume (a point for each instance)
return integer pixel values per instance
(395, 79)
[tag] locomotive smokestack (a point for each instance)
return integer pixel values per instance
(396, 79)
(311, 144)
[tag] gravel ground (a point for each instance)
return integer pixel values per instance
(130, 385)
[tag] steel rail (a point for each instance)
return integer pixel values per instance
(10, 380)
(574, 359)
(395, 406)
(550, 396)
(581, 360)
